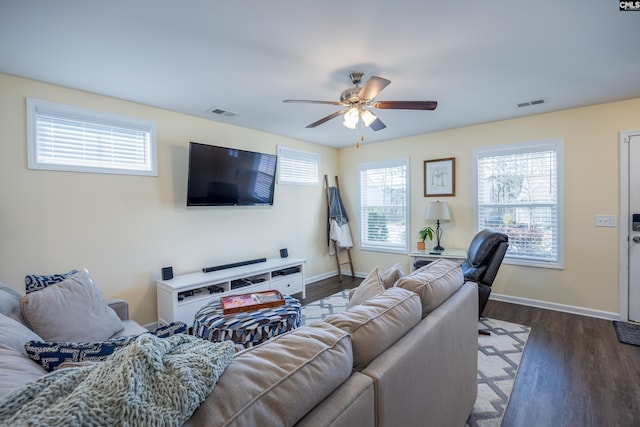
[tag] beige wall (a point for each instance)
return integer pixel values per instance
(590, 277)
(123, 229)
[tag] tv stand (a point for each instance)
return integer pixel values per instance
(181, 297)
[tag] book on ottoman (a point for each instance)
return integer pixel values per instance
(253, 301)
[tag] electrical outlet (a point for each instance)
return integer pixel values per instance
(605, 220)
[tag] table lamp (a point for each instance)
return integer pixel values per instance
(440, 212)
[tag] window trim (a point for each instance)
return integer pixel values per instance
(89, 116)
(379, 164)
(295, 154)
(528, 147)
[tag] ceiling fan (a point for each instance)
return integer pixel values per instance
(357, 101)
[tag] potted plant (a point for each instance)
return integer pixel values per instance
(423, 234)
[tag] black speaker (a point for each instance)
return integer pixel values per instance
(167, 273)
(284, 253)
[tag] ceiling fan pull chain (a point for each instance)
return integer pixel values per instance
(359, 130)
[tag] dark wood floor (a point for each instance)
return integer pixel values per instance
(574, 372)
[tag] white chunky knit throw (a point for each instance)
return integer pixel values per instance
(151, 382)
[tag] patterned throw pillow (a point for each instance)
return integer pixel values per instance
(35, 282)
(50, 355)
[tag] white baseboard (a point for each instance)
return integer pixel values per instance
(572, 309)
(565, 308)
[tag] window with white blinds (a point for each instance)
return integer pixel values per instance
(384, 205)
(520, 193)
(63, 137)
(298, 167)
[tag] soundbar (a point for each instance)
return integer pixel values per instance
(235, 264)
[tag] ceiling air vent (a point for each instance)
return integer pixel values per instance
(532, 103)
(221, 112)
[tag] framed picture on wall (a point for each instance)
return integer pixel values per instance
(440, 177)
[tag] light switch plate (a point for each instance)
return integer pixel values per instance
(605, 220)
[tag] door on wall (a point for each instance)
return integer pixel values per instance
(634, 228)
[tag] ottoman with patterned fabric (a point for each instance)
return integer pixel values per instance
(248, 328)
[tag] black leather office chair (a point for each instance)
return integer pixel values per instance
(484, 258)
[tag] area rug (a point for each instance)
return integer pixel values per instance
(628, 333)
(499, 356)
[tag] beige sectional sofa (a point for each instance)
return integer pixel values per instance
(380, 363)
(403, 354)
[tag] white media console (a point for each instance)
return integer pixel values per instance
(181, 297)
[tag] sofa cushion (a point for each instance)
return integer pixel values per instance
(50, 355)
(14, 334)
(368, 288)
(434, 283)
(10, 303)
(131, 327)
(378, 323)
(391, 276)
(279, 381)
(16, 370)
(71, 310)
(35, 282)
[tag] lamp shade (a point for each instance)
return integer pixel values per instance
(367, 117)
(438, 210)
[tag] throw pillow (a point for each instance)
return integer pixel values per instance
(16, 370)
(434, 283)
(391, 276)
(14, 334)
(35, 282)
(72, 310)
(368, 288)
(50, 355)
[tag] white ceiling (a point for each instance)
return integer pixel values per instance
(478, 59)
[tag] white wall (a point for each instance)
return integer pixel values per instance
(590, 277)
(123, 229)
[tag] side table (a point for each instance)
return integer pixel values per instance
(247, 328)
(455, 255)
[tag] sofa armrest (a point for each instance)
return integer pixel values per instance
(121, 307)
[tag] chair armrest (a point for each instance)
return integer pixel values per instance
(121, 307)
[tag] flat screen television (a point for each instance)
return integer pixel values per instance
(220, 176)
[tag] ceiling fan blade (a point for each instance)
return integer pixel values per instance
(377, 125)
(309, 101)
(372, 88)
(326, 119)
(406, 105)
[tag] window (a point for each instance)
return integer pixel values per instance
(62, 137)
(298, 167)
(520, 192)
(384, 205)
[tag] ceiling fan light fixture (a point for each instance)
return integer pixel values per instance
(358, 99)
(367, 117)
(351, 118)
(349, 124)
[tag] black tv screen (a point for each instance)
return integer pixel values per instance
(219, 176)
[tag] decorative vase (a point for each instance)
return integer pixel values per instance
(421, 246)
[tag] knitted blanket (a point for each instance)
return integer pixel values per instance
(151, 382)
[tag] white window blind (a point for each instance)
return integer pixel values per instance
(62, 137)
(384, 205)
(519, 192)
(298, 167)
